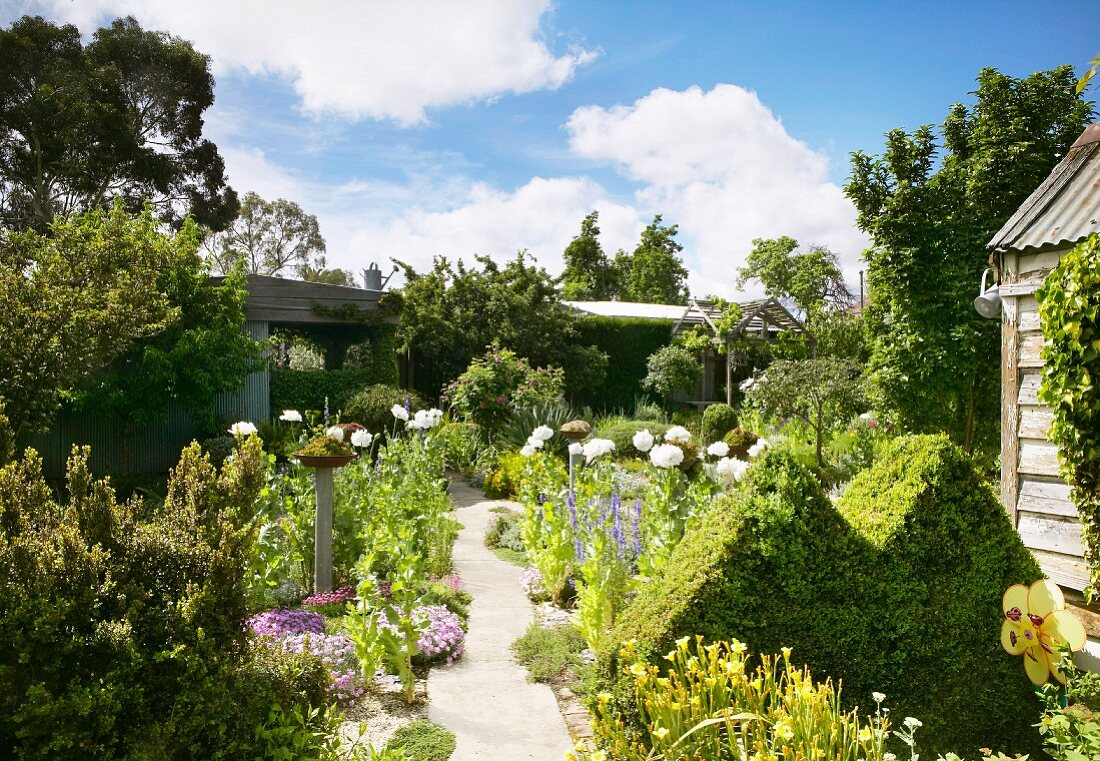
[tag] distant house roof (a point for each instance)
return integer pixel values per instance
(628, 309)
(758, 316)
(299, 302)
(1065, 209)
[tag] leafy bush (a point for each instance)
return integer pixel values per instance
(506, 532)
(308, 389)
(499, 382)
(671, 369)
(718, 420)
(689, 417)
(219, 448)
(126, 633)
(371, 406)
(504, 479)
(449, 593)
(897, 591)
(462, 443)
(549, 651)
(519, 427)
(622, 433)
(627, 342)
(713, 704)
(423, 741)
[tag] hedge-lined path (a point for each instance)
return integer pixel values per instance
(485, 698)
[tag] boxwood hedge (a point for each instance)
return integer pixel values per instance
(896, 590)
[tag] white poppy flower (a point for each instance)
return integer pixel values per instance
(718, 449)
(731, 468)
(597, 448)
(666, 456)
(758, 447)
(747, 384)
(543, 433)
(678, 434)
(291, 416)
(361, 439)
(242, 428)
(527, 450)
(335, 432)
(643, 440)
(575, 449)
(534, 442)
(399, 412)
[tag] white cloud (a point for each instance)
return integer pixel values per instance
(386, 59)
(722, 166)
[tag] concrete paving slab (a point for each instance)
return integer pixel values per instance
(485, 698)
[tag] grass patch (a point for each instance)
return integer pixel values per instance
(423, 741)
(514, 557)
(549, 652)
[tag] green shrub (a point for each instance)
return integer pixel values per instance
(423, 741)
(688, 417)
(461, 443)
(506, 532)
(218, 448)
(504, 479)
(125, 632)
(499, 382)
(646, 410)
(371, 406)
(718, 420)
(456, 600)
(622, 433)
(898, 591)
(307, 389)
(523, 422)
(549, 651)
(627, 342)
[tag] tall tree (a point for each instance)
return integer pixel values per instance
(935, 362)
(120, 118)
(811, 279)
(270, 238)
(654, 272)
(452, 313)
(75, 299)
(588, 274)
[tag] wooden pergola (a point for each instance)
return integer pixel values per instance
(761, 320)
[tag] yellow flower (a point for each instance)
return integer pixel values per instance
(598, 756)
(786, 653)
(864, 735)
(660, 733)
(783, 729)
(1036, 623)
(604, 697)
(638, 669)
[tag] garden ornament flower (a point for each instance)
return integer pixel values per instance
(1036, 623)
(543, 433)
(291, 416)
(643, 440)
(361, 439)
(242, 428)
(666, 456)
(399, 412)
(718, 449)
(678, 433)
(731, 468)
(597, 448)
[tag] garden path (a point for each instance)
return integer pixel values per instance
(485, 698)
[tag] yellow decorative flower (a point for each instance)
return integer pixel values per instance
(1036, 623)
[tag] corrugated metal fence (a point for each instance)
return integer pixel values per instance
(153, 448)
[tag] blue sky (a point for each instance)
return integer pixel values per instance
(421, 128)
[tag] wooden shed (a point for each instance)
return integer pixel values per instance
(1062, 212)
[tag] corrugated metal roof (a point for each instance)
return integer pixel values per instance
(1065, 209)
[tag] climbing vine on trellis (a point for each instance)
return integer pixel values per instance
(1069, 309)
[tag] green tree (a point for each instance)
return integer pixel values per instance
(825, 394)
(654, 273)
(74, 300)
(271, 238)
(811, 279)
(935, 362)
(119, 118)
(670, 369)
(588, 274)
(201, 353)
(452, 313)
(334, 276)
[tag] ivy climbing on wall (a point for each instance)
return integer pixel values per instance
(1069, 309)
